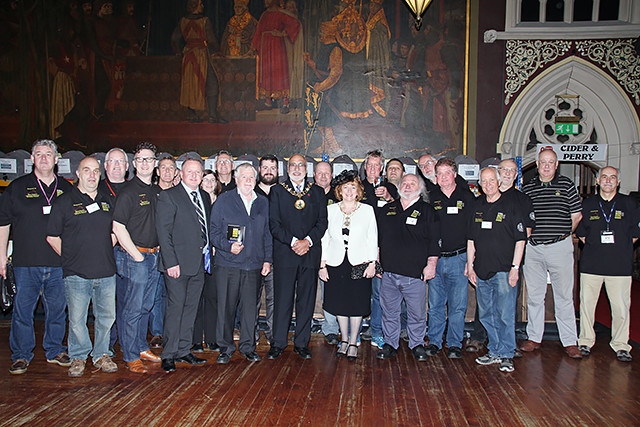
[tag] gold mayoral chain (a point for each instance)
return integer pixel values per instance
(298, 204)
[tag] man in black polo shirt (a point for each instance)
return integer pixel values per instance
(224, 168)
(409, 234)
(134, 224)
(610, 225)
(495, 247)
(377, 193)
(88, 264)
(25, 207)
(448, 290)
(550, 249)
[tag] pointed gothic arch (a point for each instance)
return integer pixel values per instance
(605, 105)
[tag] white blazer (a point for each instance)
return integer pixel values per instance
(363, 236)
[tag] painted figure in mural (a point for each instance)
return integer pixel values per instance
(295, 56)
(273, 68)
(199, 80)
(108, 72)
(129, 32)
(339, 73)
(378, 56)
(238, 34)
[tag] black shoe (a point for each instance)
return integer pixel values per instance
(432, 350)
(275, 352)
(252, 357)
(213, 346)
(387, 352)
(191, 359)
(352, 355)
(197, 348)
(168, 365)
(332, 339)
(223, 359)
(342, 349)
(454, 353)
(112, 350)
(302, 352)
(419, 353)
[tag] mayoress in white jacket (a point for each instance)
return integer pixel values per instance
(351, 240)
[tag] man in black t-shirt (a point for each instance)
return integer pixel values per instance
(495, 248)
(409, 234)
(25, 207)
(449, 289)
(88, 265)
(610, 226)
(134, 224)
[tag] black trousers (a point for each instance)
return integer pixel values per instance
(183, 297)
(236, 288)
(299, 285)
(204, 329)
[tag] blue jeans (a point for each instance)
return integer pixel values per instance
(330, 323)
(102, 294)
(156, 317)
(141, 280)
(30, 282)
(121, 288)
(448, 294)
(497, 305)
(375, 319)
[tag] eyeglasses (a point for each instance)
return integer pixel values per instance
(510, 170)
(427, 163)
(224, 162)
(145, 159)
(297, 165)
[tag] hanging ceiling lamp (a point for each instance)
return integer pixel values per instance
(417, 8)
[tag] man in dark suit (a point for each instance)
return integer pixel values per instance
(298, 220)
(181, 221)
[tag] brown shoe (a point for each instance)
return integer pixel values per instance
(573, 351)
(529, 345)
(150, 357)
(137, 367)
(473, 346)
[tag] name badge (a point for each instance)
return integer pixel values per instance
(452, 210)
(487, 225)
(46, 210)
(93, 207)
(412, 221)
(606, 237)
(381, 203)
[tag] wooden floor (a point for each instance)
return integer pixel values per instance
(547, 389)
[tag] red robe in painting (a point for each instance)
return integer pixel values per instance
(273, 67)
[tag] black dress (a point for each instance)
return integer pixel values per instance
(344, 296)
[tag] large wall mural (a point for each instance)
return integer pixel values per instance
(314, 76)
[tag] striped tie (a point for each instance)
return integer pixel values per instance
(201, 219)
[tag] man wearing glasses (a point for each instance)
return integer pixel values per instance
(134, 224)
(224, 169)
(298, 220)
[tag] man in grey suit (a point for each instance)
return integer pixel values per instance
(181, 221)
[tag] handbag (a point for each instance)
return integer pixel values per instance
(7, 289)
(357, 271)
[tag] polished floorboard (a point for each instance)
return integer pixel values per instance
(546, 389)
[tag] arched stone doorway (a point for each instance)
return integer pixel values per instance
(607, 110)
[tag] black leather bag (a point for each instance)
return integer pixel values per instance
(7, 289)
(357, 271)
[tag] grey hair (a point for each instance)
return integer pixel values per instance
(246, 166)
(612, 167)
(106, 156)
(44, 143)
(495, 171)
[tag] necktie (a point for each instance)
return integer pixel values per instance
(203, 230)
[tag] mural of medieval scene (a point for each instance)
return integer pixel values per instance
(313, 76)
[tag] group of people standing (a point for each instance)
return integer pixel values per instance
(190, 256)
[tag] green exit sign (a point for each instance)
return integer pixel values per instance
(567, 128)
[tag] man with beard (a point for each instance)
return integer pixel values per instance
(268, 177)
(409, 234)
